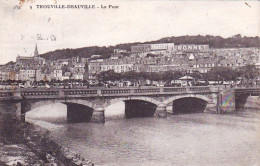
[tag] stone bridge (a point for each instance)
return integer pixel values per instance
(89, 104)
(241, 95)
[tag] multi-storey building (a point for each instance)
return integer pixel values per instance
(94, 67)
(161, 68)
(153, 48)
(28, 75)
(9, 74)
(146, 64)
(77, 76)
(56, 74)
(191, 48)
(4, 75)
(38, 75)
(117, 67)
(80, 67)
(142, 48)
(164, 48)
(66, 76)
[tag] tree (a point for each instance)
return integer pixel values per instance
(213, 41)
(249, 73)
(109, 75)
(177, 74)
(221, 74)
(237, 36)
(167, 76)
(196, 75)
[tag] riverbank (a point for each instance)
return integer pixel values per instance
(32, 145)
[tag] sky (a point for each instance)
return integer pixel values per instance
(133, 21)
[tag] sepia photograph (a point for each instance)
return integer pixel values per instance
(129, 83)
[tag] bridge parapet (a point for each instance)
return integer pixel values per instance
(6, 94)
(79, 91)
(174, 89)
(199, 89)
(152, 90)
(251, 91)
(40, 93)
(63, 93)
(115, 91)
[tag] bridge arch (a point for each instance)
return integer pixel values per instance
(173, 98)
(77, 110)
(35, 104)
(116, 100)
(136, 106)
(192, 103)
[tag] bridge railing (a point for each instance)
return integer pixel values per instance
(152, 90)
(251, 91)
(206, 88)
(6, 94)
(183, 89)
(40, 93)
(79, 92)
(59, 93)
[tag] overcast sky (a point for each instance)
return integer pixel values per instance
(134, 21)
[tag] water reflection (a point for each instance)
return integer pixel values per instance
(54, 113)
(115, 111)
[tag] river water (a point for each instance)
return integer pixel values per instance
(190, 139)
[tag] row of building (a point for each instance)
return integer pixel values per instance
(166, 57)
(36, 68)
(167, 48)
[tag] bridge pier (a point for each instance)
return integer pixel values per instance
(12, 108)
(169, 108)
(98, 115)
(211, 107)
(10, 114)
(161, 111)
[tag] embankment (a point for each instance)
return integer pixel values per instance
(32, 145)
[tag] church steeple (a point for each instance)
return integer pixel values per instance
(36, 51)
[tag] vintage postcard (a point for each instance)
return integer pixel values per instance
(125, 83)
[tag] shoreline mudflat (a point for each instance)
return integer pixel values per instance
(32, 145)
